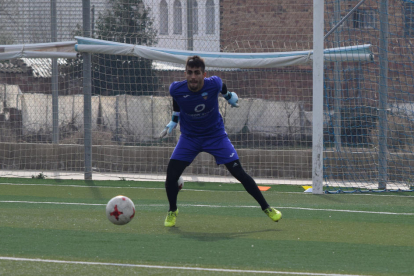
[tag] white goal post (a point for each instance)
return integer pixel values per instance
(317, 123)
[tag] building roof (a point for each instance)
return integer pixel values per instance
(10, 67)
(42, 67)
(39, 67)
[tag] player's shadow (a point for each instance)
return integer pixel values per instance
(212, 237)
(95, 190)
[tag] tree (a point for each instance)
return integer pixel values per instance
(125, 21)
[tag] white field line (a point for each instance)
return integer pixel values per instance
(105, 187)
(170, 267)
(209, 206)
(76, 186)
(194, 190)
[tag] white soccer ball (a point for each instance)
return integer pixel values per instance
(180, 183)
(120, 210)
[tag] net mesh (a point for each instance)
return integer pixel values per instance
(368, 105)
(272, 129)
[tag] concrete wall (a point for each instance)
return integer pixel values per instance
(359, 166)
(294, 164)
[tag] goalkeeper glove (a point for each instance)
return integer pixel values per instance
(171, 125)
(232, 99)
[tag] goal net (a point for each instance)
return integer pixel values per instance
(42, 129)
(368, 133)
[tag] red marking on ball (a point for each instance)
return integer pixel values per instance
(133, 214)
(116, 213)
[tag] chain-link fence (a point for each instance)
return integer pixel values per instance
(42, 120)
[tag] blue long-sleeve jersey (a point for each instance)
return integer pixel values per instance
(199, 111)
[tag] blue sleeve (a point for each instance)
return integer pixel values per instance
(218, 82)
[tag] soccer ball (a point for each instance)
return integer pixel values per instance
(120, 210)
(180, 183)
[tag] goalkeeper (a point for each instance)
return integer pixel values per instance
(195, 107)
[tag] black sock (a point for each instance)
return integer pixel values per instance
(249, 184)
(174, 170)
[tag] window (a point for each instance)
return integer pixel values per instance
(364, 19)
(210, 17)
(163, 18)
(192, 16)
(352, 82)
(195, 17)
(408, 19)
(178, 23)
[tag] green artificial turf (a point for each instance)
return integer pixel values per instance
(145, 184)
(219, 227)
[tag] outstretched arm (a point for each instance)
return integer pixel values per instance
(174, 120)
(231, 97)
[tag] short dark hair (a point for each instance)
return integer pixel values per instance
(195, 61)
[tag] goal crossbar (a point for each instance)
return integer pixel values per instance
(224, 60)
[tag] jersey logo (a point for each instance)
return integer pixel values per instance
(199, 108)
(231, 155)
(204, 95)
(185, 96)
